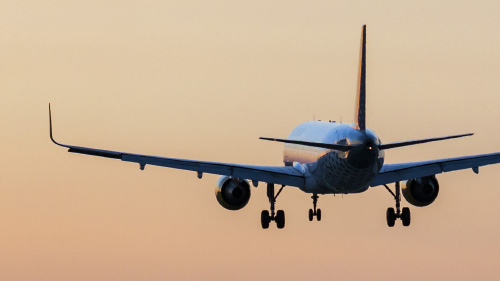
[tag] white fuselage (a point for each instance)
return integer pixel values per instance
(332, 171)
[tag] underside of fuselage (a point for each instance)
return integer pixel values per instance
(333, 171)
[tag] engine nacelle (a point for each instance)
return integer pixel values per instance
(232, 193)
(420, 192)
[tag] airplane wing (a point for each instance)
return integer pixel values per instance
(284, 175)
(391, 173)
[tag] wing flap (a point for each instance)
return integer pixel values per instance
(403, 171)
(94, 152)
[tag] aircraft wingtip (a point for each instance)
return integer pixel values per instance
(50, 127)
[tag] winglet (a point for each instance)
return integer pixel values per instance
(361, 97)
(84, 150)
(50, 124)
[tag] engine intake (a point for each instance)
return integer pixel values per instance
(232, 193)
(420, 192)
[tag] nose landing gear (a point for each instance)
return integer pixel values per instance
(314, 212)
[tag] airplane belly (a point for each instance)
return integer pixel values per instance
(338, 175)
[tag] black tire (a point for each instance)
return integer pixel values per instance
(280, 219)
(405, 216)
(265, 219)
(318, 214)
(391, 217)
(311, 214)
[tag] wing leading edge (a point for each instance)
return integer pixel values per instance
(391, 173)
(284, 175)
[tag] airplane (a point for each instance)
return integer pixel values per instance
(321, 158)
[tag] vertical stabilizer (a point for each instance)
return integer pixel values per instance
(361, 100)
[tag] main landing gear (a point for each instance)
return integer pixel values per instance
(278, 217)
(314, 212)
(392, 215)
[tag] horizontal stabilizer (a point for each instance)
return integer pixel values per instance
(413, 142)
(339, 147)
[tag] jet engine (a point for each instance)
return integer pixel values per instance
(420, 192)
(232, 193)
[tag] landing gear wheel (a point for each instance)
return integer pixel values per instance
(405, 216)
(265, 219)
(280, 219)
(391, 217)
(318, 214)
(311, 214)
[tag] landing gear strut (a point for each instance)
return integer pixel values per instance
(392, 215)
(314, 212)
(278, 217)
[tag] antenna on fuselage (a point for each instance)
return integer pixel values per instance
(359, 118)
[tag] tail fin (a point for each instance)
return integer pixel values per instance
(361, 99)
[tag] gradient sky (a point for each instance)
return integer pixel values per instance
(203, 80)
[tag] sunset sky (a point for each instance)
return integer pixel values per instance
(204, 80)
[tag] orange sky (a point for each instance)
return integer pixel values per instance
(205, 79)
